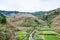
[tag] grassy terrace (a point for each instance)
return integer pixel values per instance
(45, 37)
(44, 33)
(23, 34)
(51, 37)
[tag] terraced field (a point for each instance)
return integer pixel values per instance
(26, 27)
(23, 34)
(45, 35)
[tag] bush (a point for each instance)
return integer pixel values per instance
(2, 18)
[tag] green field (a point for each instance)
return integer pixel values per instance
(45, 35)
(51, 37)
(21, 35)
(46, 32)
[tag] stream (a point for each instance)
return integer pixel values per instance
(30, 36)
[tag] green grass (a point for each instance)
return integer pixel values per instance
(21, 35)
(51, 37)
(46, 32)
(49, 32)
(2, 27)
(40, 35)
(45, 37)
(42, 28)
(1, 38)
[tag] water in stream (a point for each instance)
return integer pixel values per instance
(30, 37)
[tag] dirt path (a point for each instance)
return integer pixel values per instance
(30, 37)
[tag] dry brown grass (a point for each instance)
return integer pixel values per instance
(14, 20)
(55, 24)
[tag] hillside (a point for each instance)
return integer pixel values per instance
(44, 15)
(23, 24)
(41, 25)
(55, 24)
(39, 14)
(51, 14)
(8, 12)
(3, 29)
(24, 20)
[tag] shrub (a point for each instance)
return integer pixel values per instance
(2, 18)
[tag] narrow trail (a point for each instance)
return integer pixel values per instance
(30, 37)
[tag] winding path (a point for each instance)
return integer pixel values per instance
(30, 37)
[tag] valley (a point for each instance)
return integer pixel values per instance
(30, 26)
